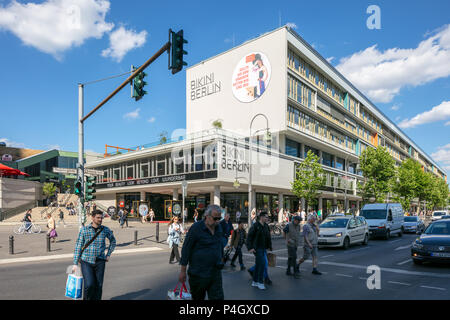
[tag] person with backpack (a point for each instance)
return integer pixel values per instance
(90, 250)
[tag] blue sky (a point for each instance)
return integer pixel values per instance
(48, 47)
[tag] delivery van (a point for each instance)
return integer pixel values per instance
(384, 219)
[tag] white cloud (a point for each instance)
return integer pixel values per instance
(55, 26)
(395, 107)
(151, 120)
(121, 41)
(12, 144)
(52, 146)
(291, 25)
(447, 123)
(438, 113)
(330, 59)
(443, 156)
(132, 115)
(382, 74)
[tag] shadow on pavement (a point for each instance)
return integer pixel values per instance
(132, 295)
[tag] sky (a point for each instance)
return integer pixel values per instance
(397, 55)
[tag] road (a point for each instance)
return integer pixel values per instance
(148, 275)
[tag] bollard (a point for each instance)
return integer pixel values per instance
(11, 245)
(135, 237)
(157, 231)
(48, 243)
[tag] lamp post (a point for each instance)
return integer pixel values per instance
(268, 140)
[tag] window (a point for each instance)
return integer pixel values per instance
(145, 172)
(340, 163)
(292, 148)
(327, 159)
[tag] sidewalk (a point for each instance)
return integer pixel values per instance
(35, 245)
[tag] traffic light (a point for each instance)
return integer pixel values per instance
(78, 188)
(138, 86)
(90, 189)
(177, 52)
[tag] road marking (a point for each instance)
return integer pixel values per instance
(400, 283)
(395, 241)
(404, 247)
(350, 251)
(279, 250)
(443, 289)
(406, 261)
(343, 275)
(70, 255)
(330, 255)
(362, 278)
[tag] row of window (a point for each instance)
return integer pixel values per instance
(311, 74)
(300, 92)
(299, 120)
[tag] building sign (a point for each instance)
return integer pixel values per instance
(204, 86)
(7, 157)
(157, 180)
(233, 158)
(251, 77)
(143, 210)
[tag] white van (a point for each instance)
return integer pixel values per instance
(384, 219)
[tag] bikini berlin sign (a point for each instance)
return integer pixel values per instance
(251, 77)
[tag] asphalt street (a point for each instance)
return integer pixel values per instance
(147, 275)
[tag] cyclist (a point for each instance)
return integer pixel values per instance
(27, 219)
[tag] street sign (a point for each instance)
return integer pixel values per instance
(88, 172)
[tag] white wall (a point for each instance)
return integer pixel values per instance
(202, 109)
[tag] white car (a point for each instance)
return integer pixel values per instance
(338, 231)
(437, 215)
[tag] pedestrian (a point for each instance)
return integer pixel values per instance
(310, 237)
(61, 218)
(175, 231)
(203, 251)
(124, 218)
(94, 207)
(195, 215)
(152, 215)
(238, 216)
(303, 215)
(253, 216)
(292, 237)
(258, 241)
(227, 228)
(27, 220)
(238, 239)
(120, 215)
(51, 225)
(91, 255)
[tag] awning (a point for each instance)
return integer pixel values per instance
(6, 171)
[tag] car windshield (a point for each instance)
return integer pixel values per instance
(410, 219)
(438, 213)
(441, 227)
(373, 214)
(334, 223)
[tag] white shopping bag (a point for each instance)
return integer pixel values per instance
(182, 294)
(74, 284)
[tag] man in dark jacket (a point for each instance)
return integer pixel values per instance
(258, 241)
(292, 236)
(227, 227)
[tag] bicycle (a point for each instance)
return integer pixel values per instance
(21, 229)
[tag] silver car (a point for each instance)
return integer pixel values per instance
(413, 224)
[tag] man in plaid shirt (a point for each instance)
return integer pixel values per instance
(93, 258)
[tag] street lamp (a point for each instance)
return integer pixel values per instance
(268, 140)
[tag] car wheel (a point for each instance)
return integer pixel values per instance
(418, 262)
(388, 235)
(346, 243)
(366, 240)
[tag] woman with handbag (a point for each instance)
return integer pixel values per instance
(51, 225)
(175, 231)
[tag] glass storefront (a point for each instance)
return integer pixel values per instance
(234, 202)
(131, 202)
(269, 203)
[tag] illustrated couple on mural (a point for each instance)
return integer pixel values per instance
(261, 74)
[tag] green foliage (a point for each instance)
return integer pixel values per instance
(405, 186)
(49, 189)
(309, 178)
(378, 168)
(217, 124)
(163, 137)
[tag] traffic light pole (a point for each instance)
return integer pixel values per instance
(80, 168)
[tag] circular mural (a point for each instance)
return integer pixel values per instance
(251, 77)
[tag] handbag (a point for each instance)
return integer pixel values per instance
(53, 233)
(271, 259)
(87, 244)
(175, 295)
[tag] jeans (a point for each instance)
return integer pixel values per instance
(200, 286)
(266, 275)
(93, 275)
(292, 258)
(27, 225)
(260, 265)
(175, 253)
(237, 254)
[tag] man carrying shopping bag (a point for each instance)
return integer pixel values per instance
(90, 251)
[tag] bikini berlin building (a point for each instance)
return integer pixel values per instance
(276, 82)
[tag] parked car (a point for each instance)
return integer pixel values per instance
(434, 244)
(341, 231)
(445, 217)
(384, 219)
(413, 224)
(436, 215)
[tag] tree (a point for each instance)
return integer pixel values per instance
(309, 178)
(49, 189)
(405, 186)
(424, 186)
(163, 137)
(217, 124)
(378, 168)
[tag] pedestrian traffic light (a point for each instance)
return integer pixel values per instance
(138, 86)
(177, 52)
(90, 189)
(77, 188)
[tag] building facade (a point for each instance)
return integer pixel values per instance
(277, 81)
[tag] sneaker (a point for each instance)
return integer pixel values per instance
(316, 272)
(242, 268)
(261, 286)
(255, 284)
